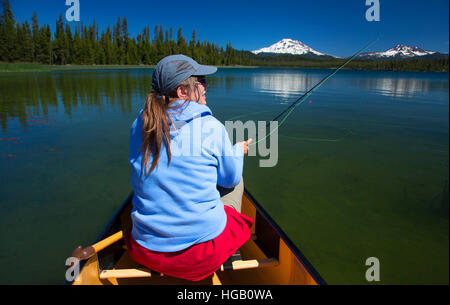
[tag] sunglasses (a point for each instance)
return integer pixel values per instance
(202, 80)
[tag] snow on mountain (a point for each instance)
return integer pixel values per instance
(399, 51)
(290, 46)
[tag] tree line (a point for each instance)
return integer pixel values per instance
(84, 44)
(412, 64)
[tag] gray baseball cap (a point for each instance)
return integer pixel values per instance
(175, 69)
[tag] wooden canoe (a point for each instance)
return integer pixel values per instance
(268, 258)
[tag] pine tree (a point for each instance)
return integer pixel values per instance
(159, 44)
(128, 58)
(27, 42)
(132, 53)
(172, 46)
(36, 37)
(8, 34)
(60, 44)
(2, 38)
(229, 55)
(166, 43)
(98, 53)
(69, 38)
(45, 55)
(77, 47)
(19, 51)
(147, 47)
(24, 50)
(182, 47)
(193, 49)
(87, 47)
(107, 46)
(118, 42)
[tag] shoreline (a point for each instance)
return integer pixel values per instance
(21, 67)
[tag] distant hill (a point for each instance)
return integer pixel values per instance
(402, 52)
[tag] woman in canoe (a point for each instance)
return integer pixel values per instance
(186, 176)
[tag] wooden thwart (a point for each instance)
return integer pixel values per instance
(143, 272)
(125, 273)
(249, 264)
(235, 262)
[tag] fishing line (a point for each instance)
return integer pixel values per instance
(348, 131)
(320, 139)
(287, 112)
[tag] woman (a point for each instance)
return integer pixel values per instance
(181, 157)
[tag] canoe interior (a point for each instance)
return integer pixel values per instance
(268, 241)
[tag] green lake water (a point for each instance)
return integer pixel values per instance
(362, 170)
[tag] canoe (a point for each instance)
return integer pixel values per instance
(269, 257)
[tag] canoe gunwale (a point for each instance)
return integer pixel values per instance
(108, 230)
(296, 251)
(114, 225)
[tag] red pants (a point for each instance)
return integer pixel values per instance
(200, 260)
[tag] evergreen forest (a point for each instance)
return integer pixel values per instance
(81, 44)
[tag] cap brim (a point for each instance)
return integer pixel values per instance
(205, 70)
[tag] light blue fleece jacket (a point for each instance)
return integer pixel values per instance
(178, 204)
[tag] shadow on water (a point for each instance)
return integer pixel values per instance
(29, 95)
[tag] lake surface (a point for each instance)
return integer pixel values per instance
(362, 170)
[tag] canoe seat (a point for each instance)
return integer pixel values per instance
(235, 262)
(144, 272)
(125, 273)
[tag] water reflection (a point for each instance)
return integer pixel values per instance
(400, 87)
(226, 81)
(284, 85)
(288, 84)
(26, 96)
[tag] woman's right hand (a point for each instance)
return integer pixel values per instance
(244, 145)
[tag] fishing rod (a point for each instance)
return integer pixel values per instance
(301, 99)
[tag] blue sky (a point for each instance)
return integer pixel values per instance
(336, 27)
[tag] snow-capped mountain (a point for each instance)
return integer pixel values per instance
(399, 51)
(290, 46)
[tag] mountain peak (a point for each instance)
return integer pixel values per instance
(399, 51)
(289, 46)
